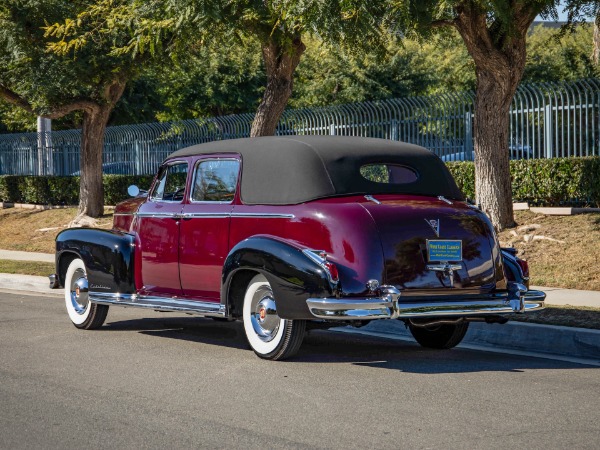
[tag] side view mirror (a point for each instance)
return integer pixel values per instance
(134, 191)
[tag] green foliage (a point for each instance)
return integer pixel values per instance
(464, 175)
(48, 80)
(217, 79)
(40, 190)
(556, 56)
(543, 182)
(50, 190)
(227, 76)
(115, 186)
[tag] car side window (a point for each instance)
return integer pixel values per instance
(170, 185)
(215, 180)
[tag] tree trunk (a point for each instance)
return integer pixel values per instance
(492, 169)
(280, 66)
(596, 39)
(91, 192)
(95, 118)
(499, 65)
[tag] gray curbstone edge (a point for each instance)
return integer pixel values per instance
(547, 339)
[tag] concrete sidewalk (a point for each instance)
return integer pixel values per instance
(26, 256)
(573, 297)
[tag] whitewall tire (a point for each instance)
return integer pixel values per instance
(83, 313)
(270, 336)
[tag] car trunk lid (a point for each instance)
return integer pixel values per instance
(434, 244)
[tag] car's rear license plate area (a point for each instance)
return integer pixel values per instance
(444, 250)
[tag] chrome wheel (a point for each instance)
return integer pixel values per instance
(265, 320)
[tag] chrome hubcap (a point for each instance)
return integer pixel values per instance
(79, 292)
(264, 318)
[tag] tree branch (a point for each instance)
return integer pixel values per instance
(15, 99)
(81, 105)
(442, 23)
(55, 113)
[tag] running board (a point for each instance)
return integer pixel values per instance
(159, 303)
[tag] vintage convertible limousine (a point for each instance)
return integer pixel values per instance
(286, 233)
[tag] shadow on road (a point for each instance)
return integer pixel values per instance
(322, 346)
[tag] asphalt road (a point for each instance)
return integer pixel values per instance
(152, 380)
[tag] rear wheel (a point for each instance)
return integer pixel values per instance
(441, 337)
(83, 313)
(270, 336)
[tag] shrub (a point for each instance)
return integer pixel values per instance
(51, 190)
(543, 182)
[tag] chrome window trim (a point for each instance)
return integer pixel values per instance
(170, 164)
(193, 183)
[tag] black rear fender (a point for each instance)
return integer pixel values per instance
(108, 256)
(293, 276)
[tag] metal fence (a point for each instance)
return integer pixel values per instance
(547, 120)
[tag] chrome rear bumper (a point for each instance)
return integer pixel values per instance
(388, 306)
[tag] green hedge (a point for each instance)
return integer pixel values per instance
(49, 190)
(543, 182)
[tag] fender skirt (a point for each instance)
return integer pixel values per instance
(108, 256)
(293, 276)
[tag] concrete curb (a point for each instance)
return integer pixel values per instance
(527, 337)
(28, 283)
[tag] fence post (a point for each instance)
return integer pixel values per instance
(66, 165)
(394, 131)
(548, 130)
(44, 127)
(332, 129)
(137, 165)
(468, 144)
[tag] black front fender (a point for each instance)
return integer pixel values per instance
(108, 256)
(293, 276)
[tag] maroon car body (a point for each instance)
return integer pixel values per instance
(286, 233)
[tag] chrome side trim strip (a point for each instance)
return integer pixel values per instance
(159, 303)
(264, 215)
(216, 215)
(158, 215)
(205, 215)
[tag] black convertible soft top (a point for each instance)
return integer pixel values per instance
(281, 170)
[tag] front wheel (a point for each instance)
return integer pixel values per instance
(270, 336)
(83, 313)
(441, 337)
